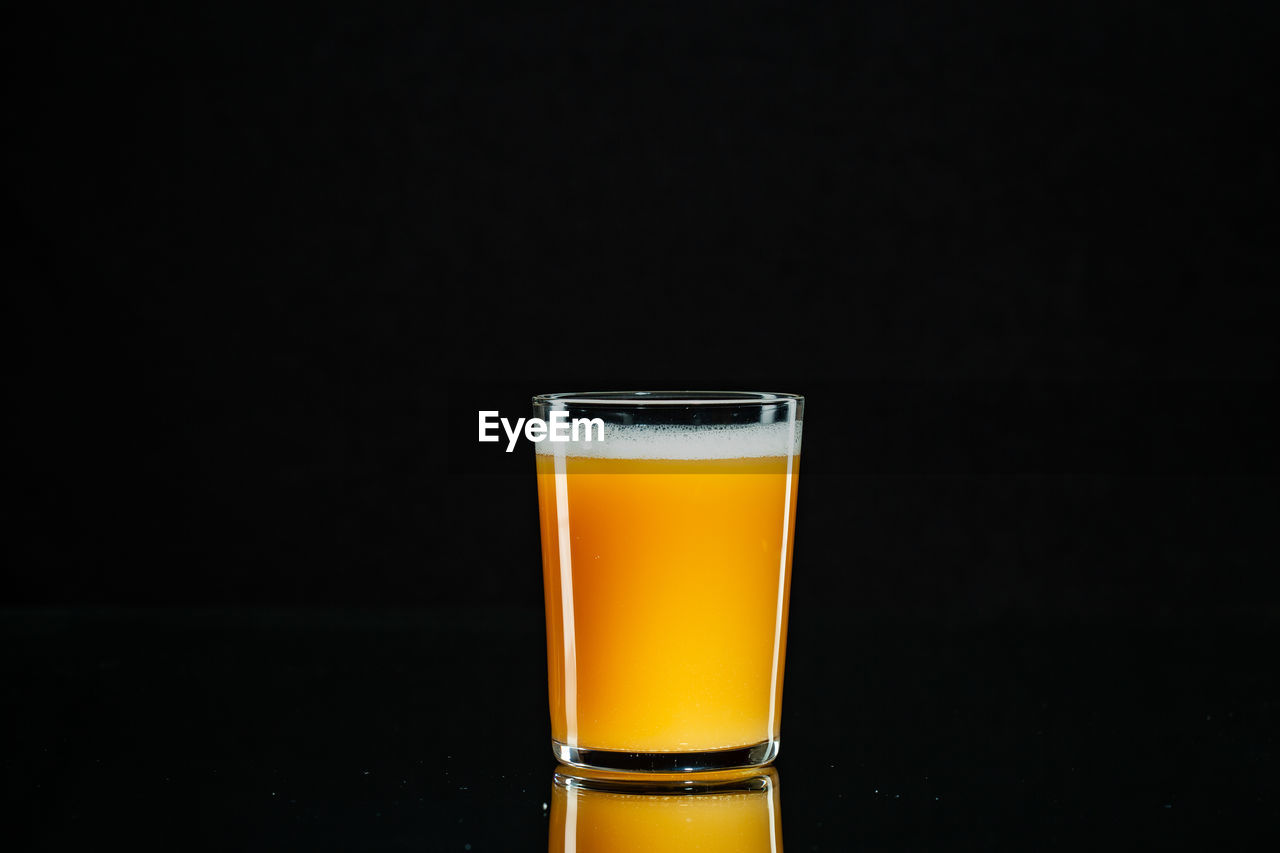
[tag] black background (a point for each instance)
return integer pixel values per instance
(267, 265)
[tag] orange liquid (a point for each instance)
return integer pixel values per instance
(667, 601)
(585, 821)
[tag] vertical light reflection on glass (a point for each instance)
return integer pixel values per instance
(564, 540)
(783, 580)
(732, 811)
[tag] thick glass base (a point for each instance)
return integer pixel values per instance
(756, 755)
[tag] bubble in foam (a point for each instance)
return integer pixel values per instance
(654, 441)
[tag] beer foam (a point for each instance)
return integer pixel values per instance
(658, 441)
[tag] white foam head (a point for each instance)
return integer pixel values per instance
(656, 441)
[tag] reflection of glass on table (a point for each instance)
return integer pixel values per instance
(707, 812)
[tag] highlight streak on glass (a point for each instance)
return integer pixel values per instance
(566, 600)
(773, 821)
(782, 570)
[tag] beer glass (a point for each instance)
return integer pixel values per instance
(738, 814)
(667, 528)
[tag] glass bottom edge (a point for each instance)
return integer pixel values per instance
(735, 758)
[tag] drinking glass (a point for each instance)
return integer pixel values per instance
(667, 522)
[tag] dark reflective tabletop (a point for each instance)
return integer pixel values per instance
(270, 729)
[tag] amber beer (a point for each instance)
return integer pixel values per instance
(667, 560)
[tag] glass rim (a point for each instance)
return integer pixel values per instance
(668, 398)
